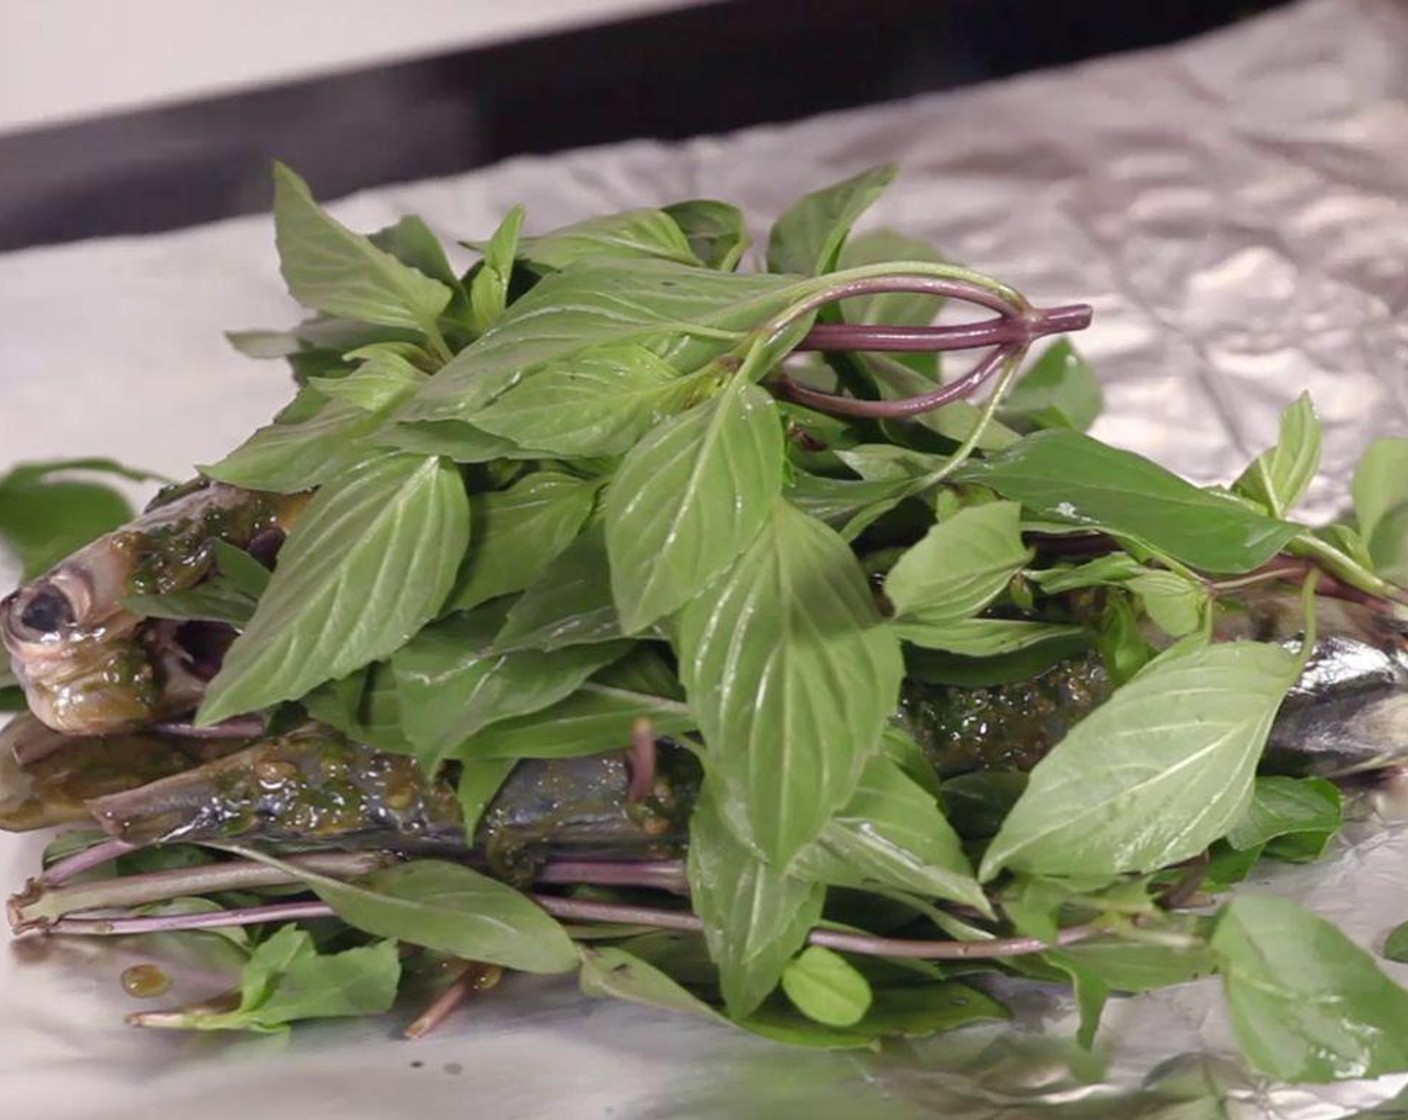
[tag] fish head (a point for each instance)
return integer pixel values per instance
(91, 666)
(76, 651)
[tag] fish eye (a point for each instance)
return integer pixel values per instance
(47, 611)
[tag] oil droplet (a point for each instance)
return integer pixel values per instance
(453, 1068)
(145, 981)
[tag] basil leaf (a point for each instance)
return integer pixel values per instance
(288, 456)
(211, 601)
(901, 309)
(1059, 391)
(1139, 966)
(444, 906)
(599, 403)
(363, 706)
(687, 500)
(452, 439)
(631, 235)
(714, 230)
(960, 565)
(954, 421)
(1024, 664)
(385, 378)
(1381, 506)
(892, 832)
(597, 717)
(1396, 944)
(45, 515)
(1288, 806)
(824, 987)
(986, 637)
(413, 243)
(1278, 478)
(1307, 1003)
(807, 239)
(367, 565)
(839, 501)
(613, 973)
(792, 679)
(1187, 732)
(518, 532)
(1091, 992)
(1063, 474)
(1176, 605)
(488, 290)
(688, 316)
(912, 1011)
(331, 269)
(286, 980)
(1117, 567)
(479, 782)
(239, 569)
(570, 601)
(451, 685)
(755, 917)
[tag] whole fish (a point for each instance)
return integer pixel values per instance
(90, 666)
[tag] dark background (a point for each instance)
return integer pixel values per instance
(679, 74)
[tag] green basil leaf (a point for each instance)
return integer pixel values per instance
(454, 440)
(331, 269)
(755, 917)
(212, 601)
(1123, 645)
(807, 239)
(714, 230)
(1188, 733)
(987, 637)
(960, 566)
(1381, 506)
(45, 514)
(840, 501)
(480, 780)
(413, 243)
(1024, 664)
(1287, 806)
(488, 290)
(1091, 992)
(1139, 966)
(912, 1011)
(1307, 1003)
(569, 603)
(613, 973)
(1059, 391)
(892, 832)
(1069, 476)
(632, 235)
(954, 421)
(364, 706)
(518, 532)
(288, 456)
(687, 500)
(1396, 944)
(368, 564)
(451, 684)
(598, 717)
(792, 678)
(385, 378)
(824, 987)
(687, 316)
(287, 980)
(264, 345)
(599, 403)
(885, 462)
(1117, 567)
(444, 906)
(1176, 604)
(1278, 478)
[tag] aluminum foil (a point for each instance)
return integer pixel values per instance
(1235, 210)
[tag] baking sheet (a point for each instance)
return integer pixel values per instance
(1235, 210)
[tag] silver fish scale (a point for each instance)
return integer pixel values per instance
(1235, 210)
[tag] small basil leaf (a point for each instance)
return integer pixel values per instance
(714, 230)
(1381, 506)
(1279, 477)
(960, 566)
(807, 239)
(616, 974)
(569, 603)
(824, 987)
(488, 290)
(1059, 391)
(1283, 806)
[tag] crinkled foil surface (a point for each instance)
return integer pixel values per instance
(1235, 209)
